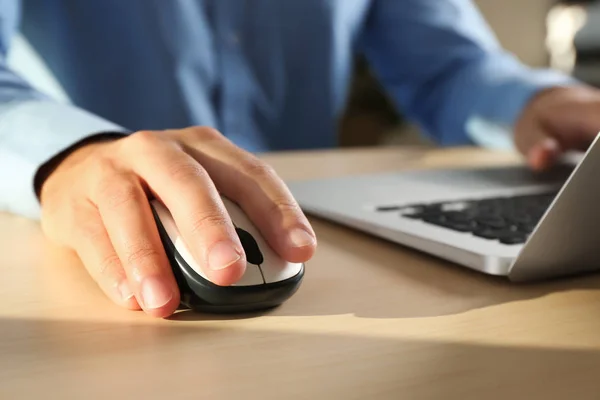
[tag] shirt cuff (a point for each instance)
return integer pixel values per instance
(493, 124)
(33, 134)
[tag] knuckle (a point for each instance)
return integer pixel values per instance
(186, 171)
(92, 230)
(84, 220)
(141, 254)
(206, 219)
(104, 170)
(108, 264)
(258, 169)
(285, 206)
(206, 133)
(118, 191)
(104, 166)
(142, 140)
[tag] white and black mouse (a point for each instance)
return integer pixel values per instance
(267, 282)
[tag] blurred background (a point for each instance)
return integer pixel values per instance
(563, 34)
(541, 33)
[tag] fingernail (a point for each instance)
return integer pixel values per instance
(550, 145)
(222, 255)
(300, 238)
(155, 293)
(125, 291)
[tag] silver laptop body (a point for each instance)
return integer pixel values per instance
(560, 212)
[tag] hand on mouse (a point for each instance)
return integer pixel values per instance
(96, 203)
(555, 121)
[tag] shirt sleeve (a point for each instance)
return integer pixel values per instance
(444, 68)
(33, 128)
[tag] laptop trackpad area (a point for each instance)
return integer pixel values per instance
(486, 178)
(367, 192)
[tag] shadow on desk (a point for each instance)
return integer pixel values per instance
(60, 359)
(368, 277)
(351, 274)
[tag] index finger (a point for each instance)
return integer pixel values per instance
(185, 188)
(260, 192)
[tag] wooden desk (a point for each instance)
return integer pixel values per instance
(372, 321)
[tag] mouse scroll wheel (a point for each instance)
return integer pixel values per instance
(253, 254)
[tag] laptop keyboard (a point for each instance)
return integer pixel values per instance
(509, 220)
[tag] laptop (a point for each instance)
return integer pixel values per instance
(506, 221)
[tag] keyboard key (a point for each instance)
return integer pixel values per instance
(493, 223)
(462, 226)
(388, 208)
(515, 239)
(460, 216)
(520, 218)
(527, 227)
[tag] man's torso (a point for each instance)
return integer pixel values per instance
(269, 74)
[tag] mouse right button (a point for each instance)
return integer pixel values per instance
(252, 277)
(281, 271)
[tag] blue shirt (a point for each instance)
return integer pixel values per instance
(269, 74)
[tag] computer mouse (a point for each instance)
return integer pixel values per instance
(267, 282)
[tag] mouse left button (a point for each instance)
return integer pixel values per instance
(176, 241)
(253, 276)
